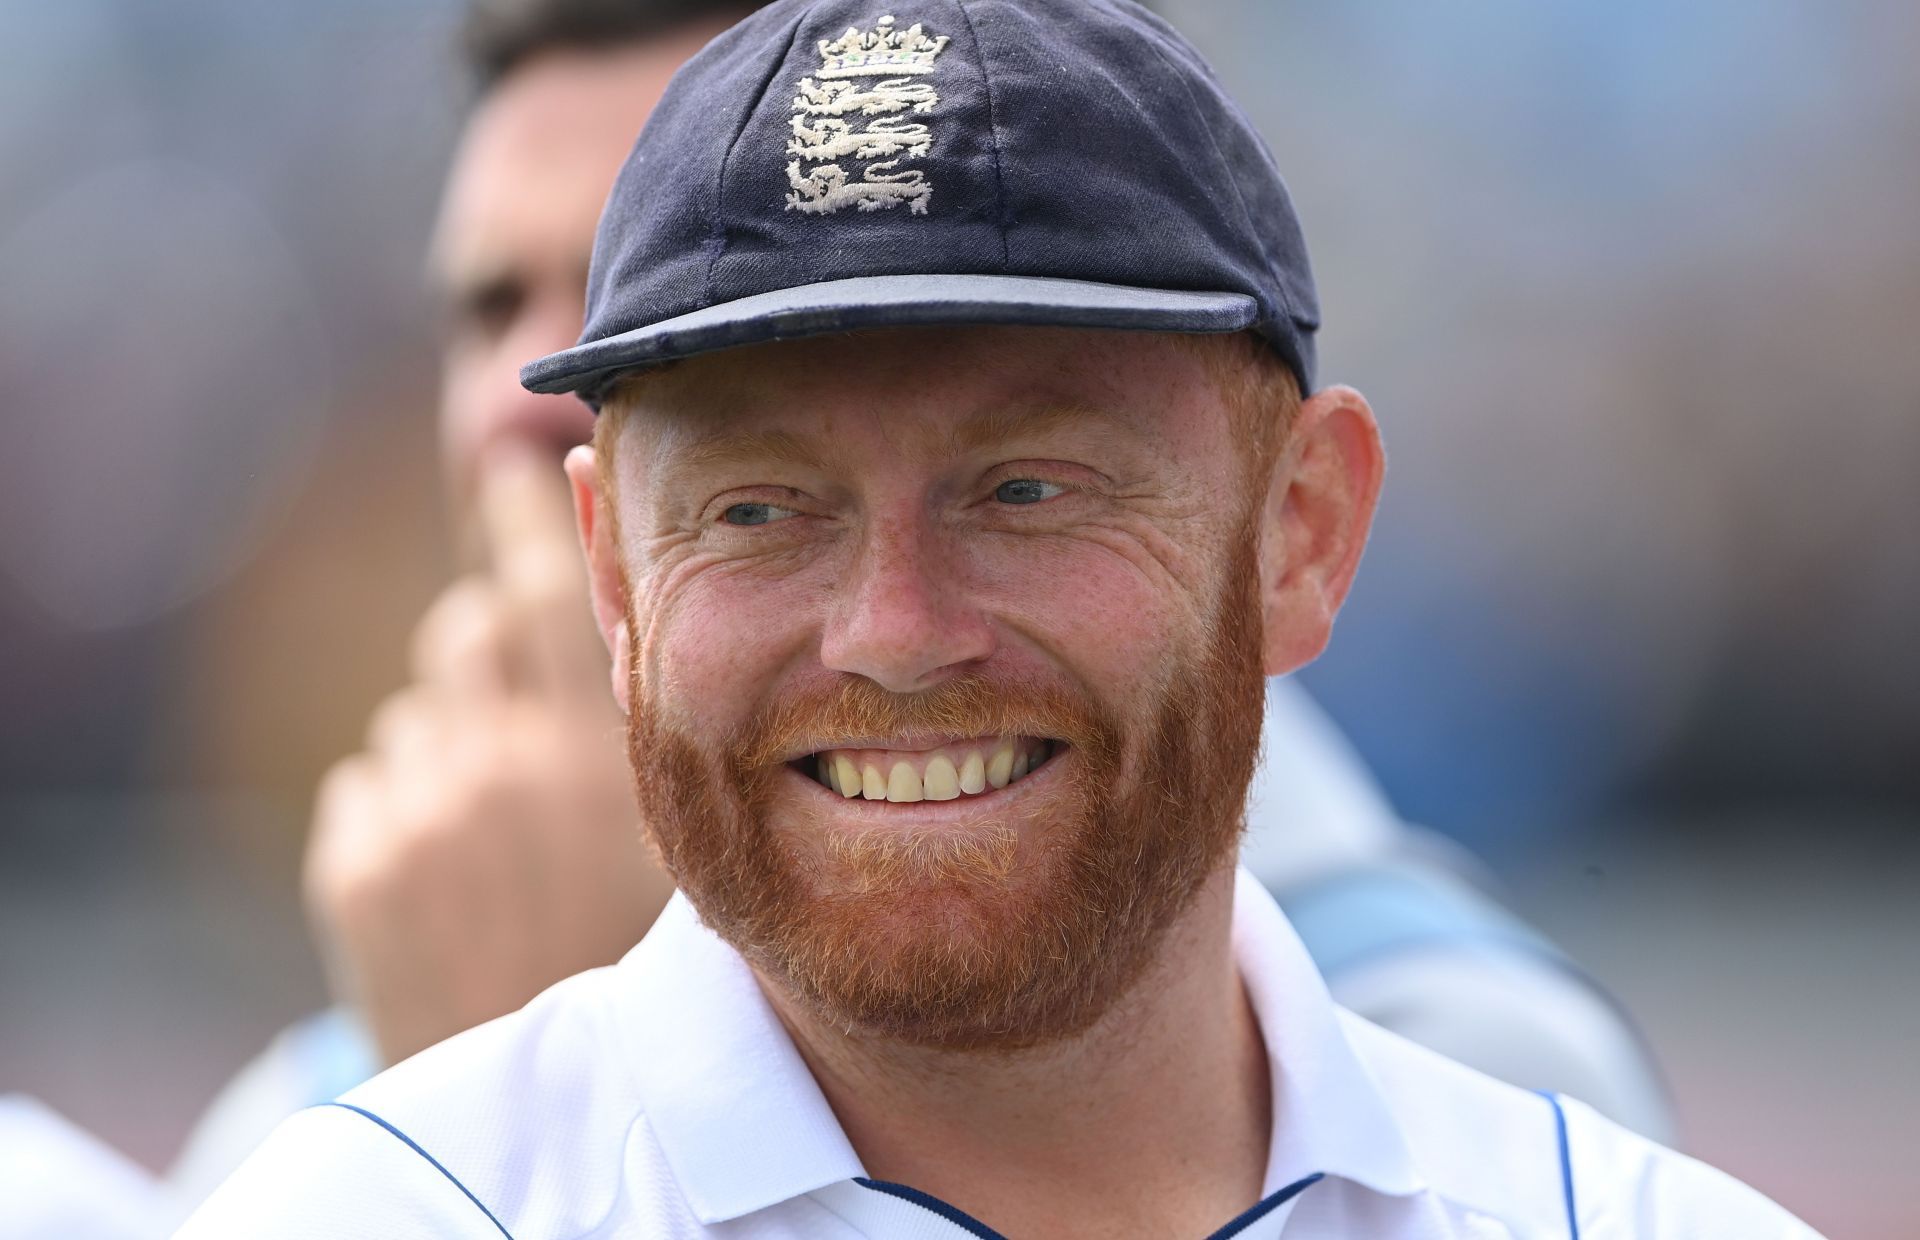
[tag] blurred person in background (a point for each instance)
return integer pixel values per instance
(483, 845)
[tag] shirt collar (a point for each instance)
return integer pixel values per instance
(1329, 1114)
(744, 1126)
(732, 1104)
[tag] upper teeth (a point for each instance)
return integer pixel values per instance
(933, 775)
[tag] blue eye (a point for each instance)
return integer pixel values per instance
(754, 514)
(1026, 491)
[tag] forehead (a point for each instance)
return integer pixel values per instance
(540, 151)
(953, 387)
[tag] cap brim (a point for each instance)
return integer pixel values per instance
(888, 301)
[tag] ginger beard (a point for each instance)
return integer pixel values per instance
(994, 937)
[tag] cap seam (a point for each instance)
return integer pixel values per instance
(993, 133)
(1220, 159)
(717, 241)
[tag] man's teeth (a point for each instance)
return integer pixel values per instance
(935, 775)
(941, 782)
(973, 773)
(903, 783)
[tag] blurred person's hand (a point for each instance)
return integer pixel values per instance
(485, 844)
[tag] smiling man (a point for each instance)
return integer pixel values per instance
(959, 477)
(945, 705)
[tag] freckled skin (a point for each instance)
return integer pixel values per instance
(891, 557)
(879, 550)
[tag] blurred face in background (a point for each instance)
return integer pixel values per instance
(457, 877)
(515, 234)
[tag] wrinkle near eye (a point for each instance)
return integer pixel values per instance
(1159, 555)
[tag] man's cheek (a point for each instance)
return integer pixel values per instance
(724, 642)
(1091, 610)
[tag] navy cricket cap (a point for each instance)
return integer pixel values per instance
(832, 165)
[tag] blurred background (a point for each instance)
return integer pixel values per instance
(1635, 288)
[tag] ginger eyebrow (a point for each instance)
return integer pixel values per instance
(998, 425)
(752, 447)
(978, 433)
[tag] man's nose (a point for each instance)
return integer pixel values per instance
(902, 618)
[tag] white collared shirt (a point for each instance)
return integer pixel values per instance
(661, 1098)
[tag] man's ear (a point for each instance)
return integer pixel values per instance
(1319, 507)
(591, 509)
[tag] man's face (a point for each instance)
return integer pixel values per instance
(515, 234)
(945, 662)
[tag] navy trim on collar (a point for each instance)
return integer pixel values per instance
(973, 1226)
(1265, 1206)
(927, 1201)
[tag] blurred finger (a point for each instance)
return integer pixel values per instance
(404, 730)
(527, 512)
(459, 645)
(342, 817)
(539, 570)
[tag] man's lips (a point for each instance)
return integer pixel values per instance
(955, 770)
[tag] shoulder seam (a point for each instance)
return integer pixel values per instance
(1566, 1161)
(435, 1163)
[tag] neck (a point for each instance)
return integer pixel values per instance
(1154, 1121)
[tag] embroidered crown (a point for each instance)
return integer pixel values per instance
(882, 50)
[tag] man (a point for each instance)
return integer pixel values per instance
(954, 495)
(481, 847)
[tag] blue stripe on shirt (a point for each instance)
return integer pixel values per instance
(415, 1147)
